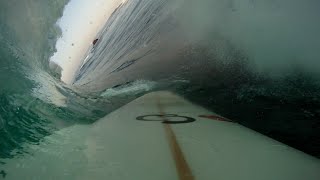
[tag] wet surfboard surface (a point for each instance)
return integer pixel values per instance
(162, 136)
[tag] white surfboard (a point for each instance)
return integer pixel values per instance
(161, 136)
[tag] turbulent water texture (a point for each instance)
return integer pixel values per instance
(254, 61)
(22, 55)
(33, 104)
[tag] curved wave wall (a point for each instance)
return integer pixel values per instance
(253, 61)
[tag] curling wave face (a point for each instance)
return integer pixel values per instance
(33, 103)
(252, 61)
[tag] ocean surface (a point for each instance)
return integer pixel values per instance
(254, 61)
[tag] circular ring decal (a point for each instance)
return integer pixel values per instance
(165, 119)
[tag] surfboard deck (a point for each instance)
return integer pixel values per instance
(162, 136)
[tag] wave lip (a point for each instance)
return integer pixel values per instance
(135, 87)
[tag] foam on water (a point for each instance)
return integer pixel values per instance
(258, 57)
(251, 61)
(132, 88)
